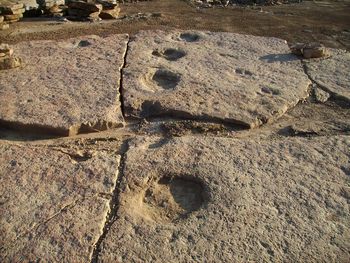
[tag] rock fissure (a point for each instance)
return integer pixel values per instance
(113, 206)
(36, 226)
(121, 98)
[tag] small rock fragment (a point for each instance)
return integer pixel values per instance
(4, 26)
(55, 10)
(5, 50)
(303, 128)
(309, 50)
(9, 63)
(314, 50)
(321, 95)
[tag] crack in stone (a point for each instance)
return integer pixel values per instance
(121, 98)
(340, 99)
(36, 226)
(113, 205)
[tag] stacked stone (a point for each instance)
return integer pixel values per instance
(84, 11)
(11, 12)
(7, 60)
(110, 9)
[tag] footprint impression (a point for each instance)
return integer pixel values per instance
(169, 199)
(165, 79)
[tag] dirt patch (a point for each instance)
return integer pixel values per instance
(326, 22)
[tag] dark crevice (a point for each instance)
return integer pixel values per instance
(289, 131)
(36, 226)
(114, 205)
(36, 129)
(152, 110)
(121, 97)
(76, 156)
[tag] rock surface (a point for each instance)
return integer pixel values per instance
(217, 76)
(54, 202)
(195, 199)
(65, 87)
(332, 73)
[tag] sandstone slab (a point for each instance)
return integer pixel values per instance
(217, 76)
(332, 73)
(54, 202)
(65, 87)
(194, 199)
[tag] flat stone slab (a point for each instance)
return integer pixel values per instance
(193, 199)
(65, 87)
(227, 77)
(332, 73)
(54, 202)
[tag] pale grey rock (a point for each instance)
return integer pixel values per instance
(321, 95)
(332, 73)
(194, 199)
(65, 86)
(309, 50)
(30, 4)
(228, 77)
(54, 202)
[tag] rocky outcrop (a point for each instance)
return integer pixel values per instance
(54, 202)
(332, 72)
(65, 87)
(229, 200)
(226, 77)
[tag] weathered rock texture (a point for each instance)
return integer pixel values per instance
(332, 73)
(53, 204)
(217, 76)
(223, 200)
(65, 87)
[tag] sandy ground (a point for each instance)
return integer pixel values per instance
(324, 21)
